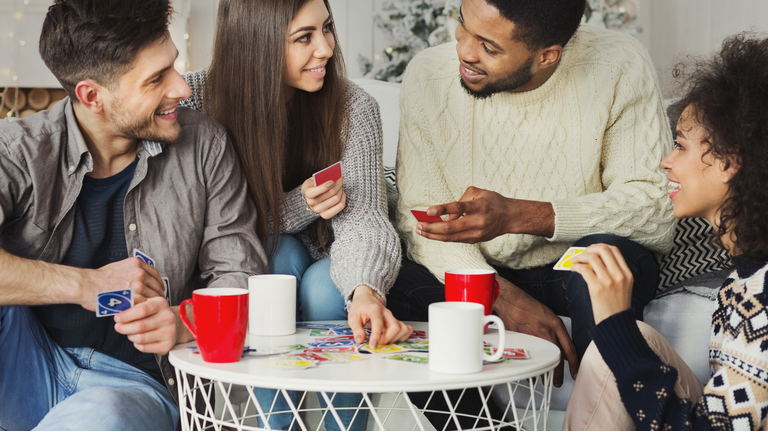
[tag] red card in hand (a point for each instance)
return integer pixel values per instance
(422, 216)
(332, 173)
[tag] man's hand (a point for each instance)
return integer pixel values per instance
(327, 199)
(368, 306)
(608, 278)
(152, 326)
(130, 273)
(481, 215)
(522, 313)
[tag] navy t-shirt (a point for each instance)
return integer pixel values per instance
(98, 239)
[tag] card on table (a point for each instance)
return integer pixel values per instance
(422, 216)
(335, 338)
(336, 344)
(332, 173)
(289, 363)
(321, 326)
(409, 358)
(113, 302)
(321, 332)
(420, 346)
(343, 349)
(381, 349)
(511, 353)
(565, 262)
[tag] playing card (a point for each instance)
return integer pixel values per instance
(342, 331)
(422, 216)
(381, 349)
(144, 257)
(113, 302)
(420, 346)
(259, 352)
(296, 347)
(332, 173)
(321, 332)
(322, 326)
(335, 339)
(511, 353)
(336, 344)
(565, 262)
(344, 349)
(409, 358)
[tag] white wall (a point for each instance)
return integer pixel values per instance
(671, 27)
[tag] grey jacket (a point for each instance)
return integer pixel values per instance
(187, 206)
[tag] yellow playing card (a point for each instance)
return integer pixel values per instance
(565, 262)
(381, 349)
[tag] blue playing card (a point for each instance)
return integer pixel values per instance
(332, 344)
(113, 302)
(144, 257)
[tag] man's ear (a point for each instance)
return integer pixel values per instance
(88, 94)
(550, 56)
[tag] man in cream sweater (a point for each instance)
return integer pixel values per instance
(541, 134)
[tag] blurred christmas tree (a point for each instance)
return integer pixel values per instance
(620, 15)
(410, 26)
(413, 25)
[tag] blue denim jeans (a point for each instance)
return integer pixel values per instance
(565, 293)
(317, 300)
(46, 387)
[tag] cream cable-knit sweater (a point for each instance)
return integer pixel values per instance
(589, 141)
(366, 249)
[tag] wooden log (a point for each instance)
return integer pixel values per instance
(15, 98)
(38, 99)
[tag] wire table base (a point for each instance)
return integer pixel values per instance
(251, 415)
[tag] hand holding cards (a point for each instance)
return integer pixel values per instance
(565, 262)
(332, 173)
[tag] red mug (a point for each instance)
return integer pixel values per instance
(471, 285)
(221, 322)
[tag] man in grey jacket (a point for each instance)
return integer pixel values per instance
(115, 167)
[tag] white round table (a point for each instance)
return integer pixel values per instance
(375, 374)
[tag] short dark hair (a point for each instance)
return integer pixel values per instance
(542, 23)
(99, 39)
(728, 95)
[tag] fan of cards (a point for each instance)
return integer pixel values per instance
(335, 343)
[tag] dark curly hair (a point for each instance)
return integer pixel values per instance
(542, 23)
(728, 95)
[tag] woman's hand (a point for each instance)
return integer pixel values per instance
(327, 199)
(608, 278)
(368, 306)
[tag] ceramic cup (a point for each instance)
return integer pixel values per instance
(273, 305)
(456, 337)
(221, 322)
(472, 285)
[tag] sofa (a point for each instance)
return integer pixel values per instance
(690, 274)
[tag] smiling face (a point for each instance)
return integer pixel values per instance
(143, 106)
(491, 61)
(698, 180)
(310, 47)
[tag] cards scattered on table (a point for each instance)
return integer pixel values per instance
(381, 349)
(409, 358)
(332, 173)
(289, 363)
(113, 302)
(510, 354)
(565, 262)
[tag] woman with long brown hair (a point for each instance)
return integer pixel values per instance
(277, 83)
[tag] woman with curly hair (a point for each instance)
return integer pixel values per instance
(718, 170)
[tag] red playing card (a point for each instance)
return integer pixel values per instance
(332, 173)
(422, 216)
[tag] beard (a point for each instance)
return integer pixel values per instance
(518, 78)
(130, 126)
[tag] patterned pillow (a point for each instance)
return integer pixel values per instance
(691, 253)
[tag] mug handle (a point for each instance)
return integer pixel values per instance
(183, 314)
(502, 340)
(496, 289)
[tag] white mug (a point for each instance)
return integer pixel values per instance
(272, 305)
(456, 337)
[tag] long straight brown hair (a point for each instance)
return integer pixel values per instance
(281, 143)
